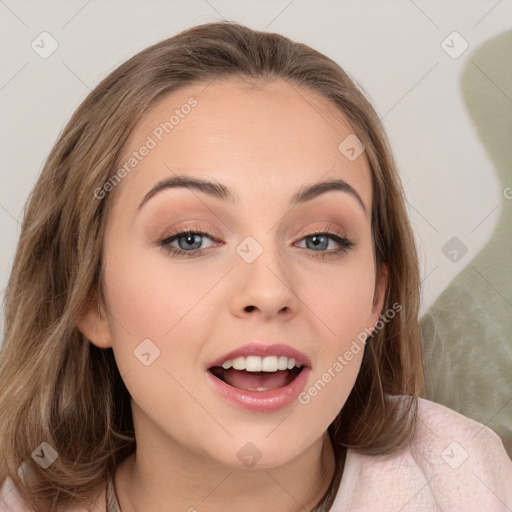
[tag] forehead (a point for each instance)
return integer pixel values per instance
(247, 135)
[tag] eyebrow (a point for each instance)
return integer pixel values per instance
(219, 191)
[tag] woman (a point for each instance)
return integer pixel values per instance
(214, 302)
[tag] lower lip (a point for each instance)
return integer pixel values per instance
(261, 401)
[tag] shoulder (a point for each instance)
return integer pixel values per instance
(448, 440)
(11, 501)
(453, 463)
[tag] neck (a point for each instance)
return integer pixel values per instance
(153, 478)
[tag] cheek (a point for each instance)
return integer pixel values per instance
(343, 303)
(155, 307)
(149, 294)
(152, 298)
(343, 299)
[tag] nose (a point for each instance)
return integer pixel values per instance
(264, 288)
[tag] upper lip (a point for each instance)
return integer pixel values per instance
(257, 349)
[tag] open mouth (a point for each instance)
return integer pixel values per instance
(256, 381)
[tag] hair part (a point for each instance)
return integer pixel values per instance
(58, 387)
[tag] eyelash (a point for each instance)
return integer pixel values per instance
(338, 237)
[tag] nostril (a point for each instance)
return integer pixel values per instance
(249, 308)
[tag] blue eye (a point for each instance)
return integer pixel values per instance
(318, 241)
(189, 240)
(190, 243)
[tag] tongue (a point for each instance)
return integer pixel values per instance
(253, 380)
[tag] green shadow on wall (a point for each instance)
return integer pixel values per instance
(467, 332)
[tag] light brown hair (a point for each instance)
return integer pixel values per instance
(57, 387)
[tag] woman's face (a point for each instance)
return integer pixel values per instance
(257, 267)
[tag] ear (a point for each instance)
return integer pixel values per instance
(93, 324)
(381, 285)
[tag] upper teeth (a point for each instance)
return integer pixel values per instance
(258, 364)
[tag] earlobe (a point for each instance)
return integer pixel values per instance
(93, 324)
(380, 288)
(379, 296)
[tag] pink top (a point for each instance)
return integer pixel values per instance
(454, 463)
